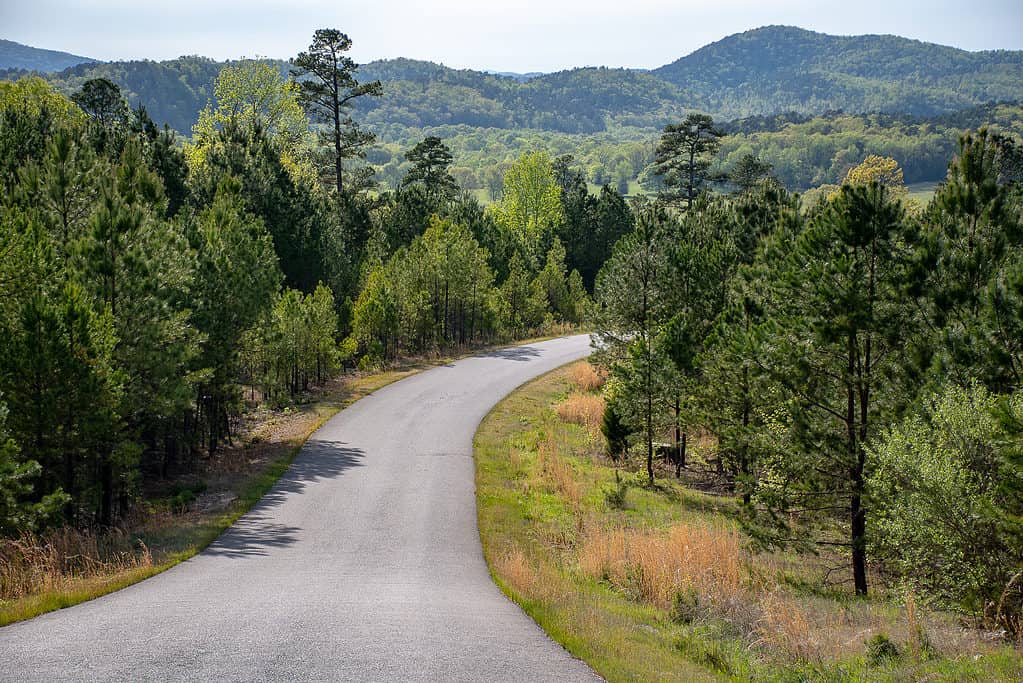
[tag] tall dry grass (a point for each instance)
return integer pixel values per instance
(55, 561)
(555, 473)
(785, 629)
(582, 409)
(586, 377)
(515, 570)
(659, 565)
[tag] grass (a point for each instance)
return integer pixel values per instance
(657, 584)
(922, 193)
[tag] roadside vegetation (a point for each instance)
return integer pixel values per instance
(658, 582)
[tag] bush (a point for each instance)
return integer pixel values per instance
(944, 493)
(615, 495)
(685, 609)
(881, 650)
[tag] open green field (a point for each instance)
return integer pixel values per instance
(922, 192)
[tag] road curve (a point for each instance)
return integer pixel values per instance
(363, 563)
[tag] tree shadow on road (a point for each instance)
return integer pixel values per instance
(256, 532)
(253, 536)
(318, 459)
(519, 353)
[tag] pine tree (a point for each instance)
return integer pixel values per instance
(328, 90)
(836, 336)
(682, 157)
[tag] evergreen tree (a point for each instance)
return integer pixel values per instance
(328, 91)
(836, 337)
(630, 293)
(965, 250)
(682, 156)
(236, 279)
(431, 162)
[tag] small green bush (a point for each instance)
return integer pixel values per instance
(685, 608)
(881, 650)
(615, 495)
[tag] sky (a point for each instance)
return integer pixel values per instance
(519, 36)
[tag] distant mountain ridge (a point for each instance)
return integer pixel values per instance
(799, 70)
(759, 72)
(17, 56)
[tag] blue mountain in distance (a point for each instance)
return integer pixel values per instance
(17, 56)
(522, 78)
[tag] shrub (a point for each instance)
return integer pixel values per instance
(880, 650)
(615, 495)
(582, 409)
(685, 608)
(944, 496)
(586, 377)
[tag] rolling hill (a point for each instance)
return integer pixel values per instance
(781, 68)
(760, 72)
(17, 56)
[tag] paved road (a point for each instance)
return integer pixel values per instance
(363, 563)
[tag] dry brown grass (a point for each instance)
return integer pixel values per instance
(786, 629)
(56, 561)
(555, 473)
(582, 409)
(516, 571)
(586, 377)
(659, 565)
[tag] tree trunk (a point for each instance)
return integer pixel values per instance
(744, 464)
(679, 447)
(337, 136)
(106, 515)
(857, 521)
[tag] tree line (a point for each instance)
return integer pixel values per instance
(857, 363)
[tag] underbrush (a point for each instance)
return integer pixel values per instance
(656, 582)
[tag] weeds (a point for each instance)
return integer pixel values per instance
(616, 494)
(881, 650)
(785, 629)
(658, 566)
(34, 564)
(556, 473)
(586, 377)
(583, 409)
(516, 571)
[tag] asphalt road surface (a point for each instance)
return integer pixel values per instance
(363, 563)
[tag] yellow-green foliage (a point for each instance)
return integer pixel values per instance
(250, 93)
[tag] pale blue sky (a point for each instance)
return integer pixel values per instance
(528, 35)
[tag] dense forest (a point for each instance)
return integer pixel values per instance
(926, 95)
(805, 150)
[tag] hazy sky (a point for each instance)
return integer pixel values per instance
(527, 35)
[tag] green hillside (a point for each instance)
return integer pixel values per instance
(17, 56)
(782, 68)
(764, 71)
